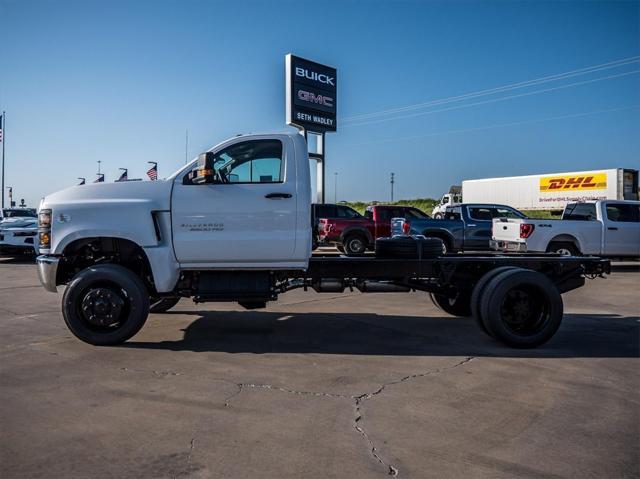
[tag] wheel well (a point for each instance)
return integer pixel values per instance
(85, 252)
(355, 232)
(565, 238)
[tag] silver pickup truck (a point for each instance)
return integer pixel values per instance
(605, 228)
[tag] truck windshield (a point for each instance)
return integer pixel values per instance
(19, 213)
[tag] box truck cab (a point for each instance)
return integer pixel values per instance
(448, 200)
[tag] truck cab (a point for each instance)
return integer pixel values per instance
(448, 200)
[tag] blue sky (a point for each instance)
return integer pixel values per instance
(121, 81)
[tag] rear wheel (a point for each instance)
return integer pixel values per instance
(437, 216)
(161, 305)
(477, 295)
(105, 304)
(355, 245)
(564, 248)
(521, 308)
(460, 305)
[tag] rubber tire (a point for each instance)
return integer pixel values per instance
(162, 305)
(348, 242)
(437, 216)
(138, 302)
(446, 244)
(461, 306)
(491, 302)
(554, 246)
(407, 247)
(340, 248)
(476, 295)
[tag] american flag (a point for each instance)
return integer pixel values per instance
(153, 171)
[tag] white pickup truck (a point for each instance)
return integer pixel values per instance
(606, 228)
(233, 225)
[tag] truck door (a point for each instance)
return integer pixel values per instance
(621, 229)
(248, 215)
(478, 221)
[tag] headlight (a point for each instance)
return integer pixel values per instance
(44, 229)
(44, 219)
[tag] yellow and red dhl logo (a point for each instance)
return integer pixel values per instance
(595, 181)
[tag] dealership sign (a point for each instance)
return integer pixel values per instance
(310, 95)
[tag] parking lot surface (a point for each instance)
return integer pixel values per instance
(319, 385)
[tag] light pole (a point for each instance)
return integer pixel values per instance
(392, 182)
(335, 187)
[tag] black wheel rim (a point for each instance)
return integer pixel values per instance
(104, 307)
(525, 310)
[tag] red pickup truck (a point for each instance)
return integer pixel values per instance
(353, 233)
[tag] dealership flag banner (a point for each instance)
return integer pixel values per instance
(123, 176)
(100, 178)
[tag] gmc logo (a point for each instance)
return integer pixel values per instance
(573, 182)
(313, 98)
(311, 75)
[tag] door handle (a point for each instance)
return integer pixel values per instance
(272, 196)
(612, 228)
(472, 225)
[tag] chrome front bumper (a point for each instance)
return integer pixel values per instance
(47, 271)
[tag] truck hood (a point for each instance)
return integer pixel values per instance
(155, 194)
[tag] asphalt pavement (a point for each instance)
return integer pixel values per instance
(319, 386)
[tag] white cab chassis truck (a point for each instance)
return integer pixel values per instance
(233, 225)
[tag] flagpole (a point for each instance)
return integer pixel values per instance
(4, 140)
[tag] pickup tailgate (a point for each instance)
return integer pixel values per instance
(510, 234)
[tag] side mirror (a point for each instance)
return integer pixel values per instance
(203, 173)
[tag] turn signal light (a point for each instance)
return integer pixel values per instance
(406, 227)
(45, 240)
(526, 230)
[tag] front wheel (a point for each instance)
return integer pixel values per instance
(105, 304)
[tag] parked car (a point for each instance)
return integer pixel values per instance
(328, 211)
(354, 234)
(606, 228)
(18, 231)
(466, 227)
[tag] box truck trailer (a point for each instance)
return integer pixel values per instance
(553, 191)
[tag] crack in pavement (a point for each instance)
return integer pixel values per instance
(358, 401)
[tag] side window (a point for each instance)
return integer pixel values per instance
(384, 214)
(580, 212)
(346, 212)
(325, 211)
(623, 213)
(414, 214)
(368, 213)
(480, 213)
(257, 161)
(453, 213)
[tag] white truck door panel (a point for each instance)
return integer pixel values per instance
(249, 216)
(621, 224)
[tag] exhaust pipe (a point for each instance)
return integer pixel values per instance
(381, 287)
